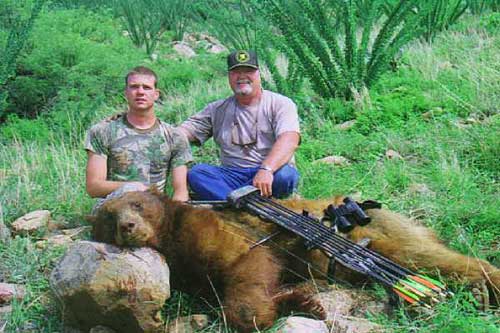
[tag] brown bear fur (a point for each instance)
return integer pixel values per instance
(209, 253)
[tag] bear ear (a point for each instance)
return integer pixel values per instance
(154, 190)
(104, 226)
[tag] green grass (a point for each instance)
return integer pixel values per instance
(420, 111)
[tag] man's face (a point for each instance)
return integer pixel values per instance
(245, 81)
(141, 92)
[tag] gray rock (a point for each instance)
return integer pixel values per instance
(420, 189)
(340, 305)
(345, 324)
(335, 160)
(303, 325)
(393, 155)
(188, 324)
(216, 48)
(346, 125)
(101, 284)
(184, 50)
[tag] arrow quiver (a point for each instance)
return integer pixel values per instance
(412, 287)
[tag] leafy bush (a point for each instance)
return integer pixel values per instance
(396, 100)
(337, 63)
(491, 22)
(439, 15)
(18, 34)
(16, 128)
(479, 6)
(55, 76)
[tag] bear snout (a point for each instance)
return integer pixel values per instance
(127, 227)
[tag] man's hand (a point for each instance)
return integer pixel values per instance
(263, 180)
(181, 196)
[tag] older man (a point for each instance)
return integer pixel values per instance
(133, 150)
(257, 132)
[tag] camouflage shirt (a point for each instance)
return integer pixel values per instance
(134, 154)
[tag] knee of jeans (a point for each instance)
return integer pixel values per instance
(197, 174)
(287, 174)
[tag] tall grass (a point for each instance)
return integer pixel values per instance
(43, 176)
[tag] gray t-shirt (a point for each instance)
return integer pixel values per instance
(245, 135)
(147, 156)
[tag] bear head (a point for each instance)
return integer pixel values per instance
(133, 219)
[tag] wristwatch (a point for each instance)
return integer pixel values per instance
(265, 167)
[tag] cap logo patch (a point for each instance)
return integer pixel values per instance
(242, 56)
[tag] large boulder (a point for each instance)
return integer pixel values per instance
(101, 284)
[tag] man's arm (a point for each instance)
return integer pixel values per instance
(179, 183)
(188, 134)
(280, 153)
(96, 184)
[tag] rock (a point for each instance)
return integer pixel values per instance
(420, 189)
(31, 222)
(393, 155)
(343, 302)
(335, 160)
(302, 325)
(101, 284)
(346, 125)
(470, 121)
(346, 324)
(4, 231)
(216, 48)
(340, 304)
(75, 231)
(9, 291)
(56, 240)
(188, 324)
(184, 49)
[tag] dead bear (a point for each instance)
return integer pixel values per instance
(209, 252)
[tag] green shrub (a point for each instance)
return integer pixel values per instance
(147, 20)
(479, 6)
(439, 15)
(491, 22)
(70, 82)
(16, 128)
(18, 34)
(339, 63)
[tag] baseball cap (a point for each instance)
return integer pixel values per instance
(242, 58)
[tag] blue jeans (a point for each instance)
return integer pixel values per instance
(210, 182)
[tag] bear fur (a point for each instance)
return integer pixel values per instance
(210, 256)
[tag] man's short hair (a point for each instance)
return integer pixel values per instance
(141, 70)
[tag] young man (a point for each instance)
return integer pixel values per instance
(134, 150)
(257, 132)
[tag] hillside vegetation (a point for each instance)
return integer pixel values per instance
(426, 87)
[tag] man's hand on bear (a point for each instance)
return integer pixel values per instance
(263, 180)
